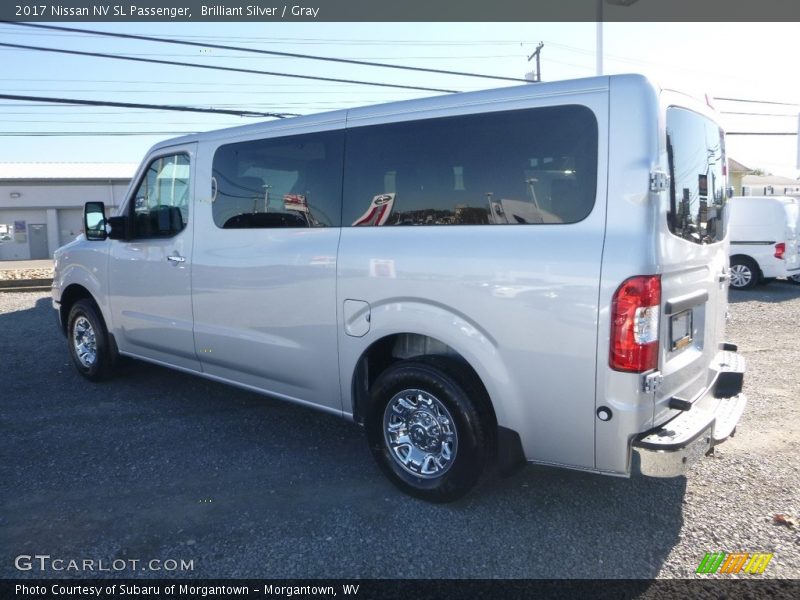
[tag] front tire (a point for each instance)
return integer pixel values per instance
(89, 343)
(430, 427)
(745, 273)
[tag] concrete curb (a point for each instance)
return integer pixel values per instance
(25, 285)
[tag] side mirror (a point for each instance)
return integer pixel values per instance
(94, 221)
(118, 228)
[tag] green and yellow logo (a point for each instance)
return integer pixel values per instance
(736, 562)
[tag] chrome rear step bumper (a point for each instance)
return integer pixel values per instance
(670, 449)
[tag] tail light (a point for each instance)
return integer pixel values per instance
(780, 250)
(635, 311)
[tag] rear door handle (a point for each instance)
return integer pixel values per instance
(176, 258)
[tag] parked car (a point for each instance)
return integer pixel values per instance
(764, 239)
(560, 299)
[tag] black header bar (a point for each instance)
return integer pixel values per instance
(274, 11)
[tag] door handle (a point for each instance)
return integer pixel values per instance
(176, 258)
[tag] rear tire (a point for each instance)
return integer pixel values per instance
(430, 427)
(795, 279)
(745, 273)
(89, 343)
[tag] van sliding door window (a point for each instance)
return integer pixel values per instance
(160, 206)
(532, 166)
(696, 154)
(279, 182)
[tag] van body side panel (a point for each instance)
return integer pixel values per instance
(149, 294)
(518, 302)
(264, 298)
(629, 250)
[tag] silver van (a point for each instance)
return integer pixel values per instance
(534, 273)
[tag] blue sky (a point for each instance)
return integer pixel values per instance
(737, 60)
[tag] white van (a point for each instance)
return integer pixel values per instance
(764, 238)
(530, 273)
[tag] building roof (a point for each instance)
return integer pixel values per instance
(734, 166)
(758, 180)
(67, 171)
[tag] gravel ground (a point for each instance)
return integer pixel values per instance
(731, 501)
(158, 464)
(25, 274)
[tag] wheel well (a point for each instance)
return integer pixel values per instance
(747, 259)
(390, 349)
(744, 257)
(69, 297)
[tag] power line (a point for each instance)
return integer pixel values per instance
(88, 133)
(217, 68)
(147, 38)
(760, 133)
(316, 41)
(221, 111)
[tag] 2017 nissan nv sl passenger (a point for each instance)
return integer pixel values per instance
(535, 272)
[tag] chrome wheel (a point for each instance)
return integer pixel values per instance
(741, 276)
(84, 341)
(420, 433)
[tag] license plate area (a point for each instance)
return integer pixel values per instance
(680, 330)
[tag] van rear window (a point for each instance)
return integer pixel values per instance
(696, 153)
(532, 166)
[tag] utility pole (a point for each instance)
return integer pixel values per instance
(535, 76)
(599, 51)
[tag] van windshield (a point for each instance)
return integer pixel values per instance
(696, 153)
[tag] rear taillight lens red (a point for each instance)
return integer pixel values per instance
(635, 311)
(780, 250)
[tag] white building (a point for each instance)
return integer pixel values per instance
(769, 185)
(41, 204)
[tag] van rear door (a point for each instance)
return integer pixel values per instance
(792, 250)
(693, 253)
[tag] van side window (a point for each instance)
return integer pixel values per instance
(279, 182)
(160, 206)
(514, 167)
(696, 154)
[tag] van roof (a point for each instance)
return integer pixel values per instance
(333, 119)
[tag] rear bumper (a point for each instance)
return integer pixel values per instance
(669, 450)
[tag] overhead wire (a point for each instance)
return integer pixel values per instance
(148, 38)
(88, 133)
(220, 68)
(224, 111)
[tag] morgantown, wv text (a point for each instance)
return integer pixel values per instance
(180, 590)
